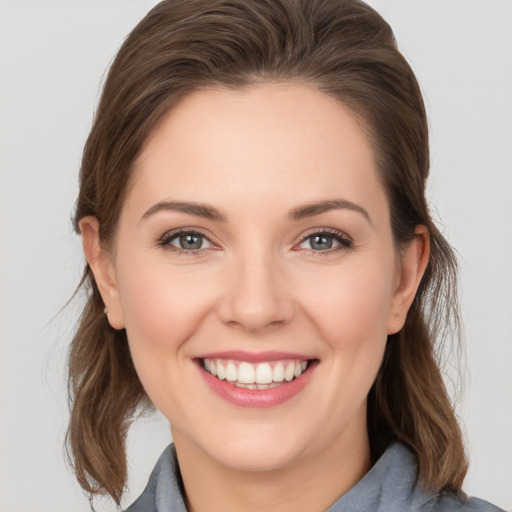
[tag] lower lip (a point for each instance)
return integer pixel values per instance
(260, 398)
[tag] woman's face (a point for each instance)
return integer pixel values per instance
(255, 240)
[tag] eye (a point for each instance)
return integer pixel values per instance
(185, 241)
(325, 241)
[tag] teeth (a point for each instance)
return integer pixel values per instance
(289, 372)
(231, 373)
(263, 374)
(246, 373)
(278, 373)
(246, 386)
(255, 376)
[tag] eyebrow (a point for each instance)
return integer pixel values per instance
(298, 213)
(197, 209)
(309, 210)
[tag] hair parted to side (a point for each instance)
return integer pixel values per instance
(345, 49)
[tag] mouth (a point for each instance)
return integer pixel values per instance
(256, 376)
(262, 380)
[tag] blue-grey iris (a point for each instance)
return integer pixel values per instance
(321, 242)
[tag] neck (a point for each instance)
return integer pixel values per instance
(311, 483)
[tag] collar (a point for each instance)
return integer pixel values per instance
(391, 484)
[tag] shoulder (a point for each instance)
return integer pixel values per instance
(392, 484)
(451, 503)
(395, 477)
(164, 490)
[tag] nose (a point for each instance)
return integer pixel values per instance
(257, 295)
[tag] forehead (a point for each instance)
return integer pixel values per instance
(256, 143)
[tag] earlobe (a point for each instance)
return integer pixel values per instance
(412, 266)
(100, 262)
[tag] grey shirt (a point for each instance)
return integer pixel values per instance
(390, 486)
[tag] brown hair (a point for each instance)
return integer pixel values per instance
(345, 49)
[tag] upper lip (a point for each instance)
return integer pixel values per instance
(254, 357)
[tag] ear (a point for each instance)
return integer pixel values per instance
(100, 262)
(412, 263)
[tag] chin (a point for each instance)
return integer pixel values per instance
(257, 459)
(260, 453)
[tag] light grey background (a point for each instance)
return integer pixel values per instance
(52, 58)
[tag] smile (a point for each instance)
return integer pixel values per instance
(263, 375)
(261, 380)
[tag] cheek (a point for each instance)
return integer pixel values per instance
(350, 305)
(162, 306)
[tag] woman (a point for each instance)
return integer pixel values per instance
(263, 268)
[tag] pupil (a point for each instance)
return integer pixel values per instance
(321, 242)
(191, 241)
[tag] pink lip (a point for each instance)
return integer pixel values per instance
(253, 357)
(256, 398)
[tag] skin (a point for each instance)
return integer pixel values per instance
(258, 284)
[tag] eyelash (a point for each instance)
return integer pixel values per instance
(345, 242)
(165, 241)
